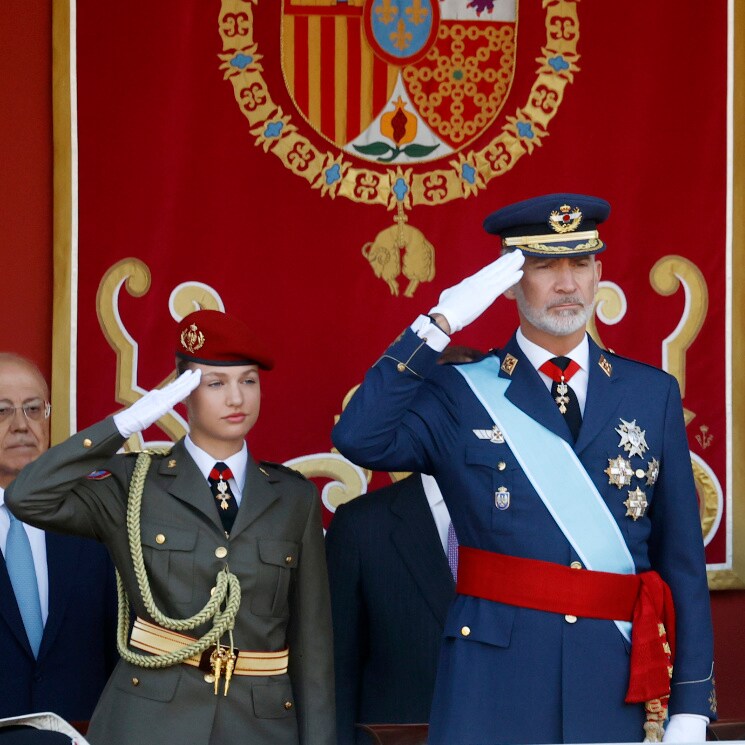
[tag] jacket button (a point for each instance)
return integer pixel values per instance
(135, 681)
(288, 559)
(160, 539)
(576, 565)
(501, 465)
(209, 678)
(570, 618)
(87, 442)
(288, 705)
(400, 367)
(221, 552)
(465, 631)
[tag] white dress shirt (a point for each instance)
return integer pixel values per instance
(236, 463)
(438, 508)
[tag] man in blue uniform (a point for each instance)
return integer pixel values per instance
(567, 475)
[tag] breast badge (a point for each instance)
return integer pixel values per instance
(493, 435)
(502, 498)
(632, 438)
(653, 471)
(636, 504)
(619, 472)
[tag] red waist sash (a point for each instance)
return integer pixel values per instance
(644, 599)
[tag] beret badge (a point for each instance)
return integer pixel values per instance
(565, 220)
(192, 338)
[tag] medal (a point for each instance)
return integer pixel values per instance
(562, 399)
(632, 438)
(619, 472)
(636, 504)
(653, 471)
(222, 487)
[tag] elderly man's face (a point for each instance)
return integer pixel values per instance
(22, 439)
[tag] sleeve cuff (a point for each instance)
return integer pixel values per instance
(431, 333)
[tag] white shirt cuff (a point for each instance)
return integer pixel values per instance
(431, 333)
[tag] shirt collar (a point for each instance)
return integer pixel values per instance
(205, 462)
(538, 355)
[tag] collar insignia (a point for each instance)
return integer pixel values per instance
(605, 366)
(509, 363)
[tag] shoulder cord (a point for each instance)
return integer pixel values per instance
(227, 589)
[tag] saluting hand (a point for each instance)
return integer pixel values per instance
(154, 404)
(466, 301)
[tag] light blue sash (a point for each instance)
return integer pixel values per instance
(557, 475)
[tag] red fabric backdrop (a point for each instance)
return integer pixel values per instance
(170, 172)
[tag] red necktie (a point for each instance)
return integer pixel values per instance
(561, 370)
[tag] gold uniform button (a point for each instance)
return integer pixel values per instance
(288, 559)
(160, 539)
(135, 681)
(209, 678)
(576, 565)
(400, 367)
(87, 442)
(221, 552)
(466, 631)
(570, 618)
(288, 705)
(501, 465)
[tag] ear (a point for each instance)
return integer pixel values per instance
(509, 293)
(598, 269)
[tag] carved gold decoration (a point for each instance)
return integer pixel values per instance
(385, 255)
(347, 480)
(668, 275)
(610, 308)
(710, 497)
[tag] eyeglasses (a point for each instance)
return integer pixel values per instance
(35, 410)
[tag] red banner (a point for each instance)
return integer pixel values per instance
(278, 160)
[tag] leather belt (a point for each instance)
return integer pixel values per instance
(152, 638)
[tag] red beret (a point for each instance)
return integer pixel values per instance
(212, 337)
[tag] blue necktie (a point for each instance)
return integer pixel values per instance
(20, 564)
(453, 551)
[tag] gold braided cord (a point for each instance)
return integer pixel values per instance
(227, 590)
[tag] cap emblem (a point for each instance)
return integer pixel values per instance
(192, 339)
(565, 220)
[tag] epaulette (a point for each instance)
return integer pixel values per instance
(280, 467)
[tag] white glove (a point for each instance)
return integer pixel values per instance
(154, 404)
(467, 300)
(686, 728)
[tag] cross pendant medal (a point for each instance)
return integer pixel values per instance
(562, 399)
(222, 487)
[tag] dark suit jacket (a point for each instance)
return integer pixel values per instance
(390, 590)
(78, 649)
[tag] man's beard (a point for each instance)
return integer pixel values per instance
(558, 323)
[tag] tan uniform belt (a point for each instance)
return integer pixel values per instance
(155, 639)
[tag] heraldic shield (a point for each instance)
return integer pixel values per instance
(412, 80)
